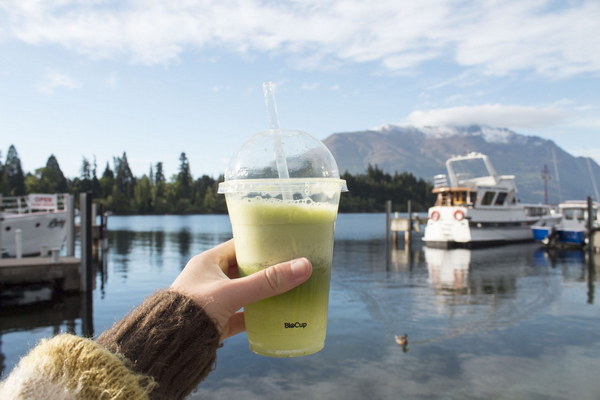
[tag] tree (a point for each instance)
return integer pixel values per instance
(3, 188)
(143, 195)
(184, 179)
(106, 182)
(13, 173)
(124, 185)
(52, 178)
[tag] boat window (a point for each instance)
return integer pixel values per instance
(487, 198)
(537, 211)
(473, 197)
(460, 197)
(500, 199)
(571, 213)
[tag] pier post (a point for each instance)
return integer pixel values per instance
(388, 228)
(70, 225)
(408, 233)
(18, 243)
(86, 241)
(388, 220)
(87, 276)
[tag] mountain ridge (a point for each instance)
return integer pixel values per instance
(423, 152)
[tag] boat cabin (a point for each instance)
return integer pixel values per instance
(456, 196)
(577, 210)
(465, 196)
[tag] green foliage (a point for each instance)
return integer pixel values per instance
(122, 193)
(368, 192)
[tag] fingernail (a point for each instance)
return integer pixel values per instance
(299, 266)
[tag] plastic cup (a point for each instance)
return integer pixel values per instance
(278, 219)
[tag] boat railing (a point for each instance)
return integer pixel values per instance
(32, 203)
(440, 180)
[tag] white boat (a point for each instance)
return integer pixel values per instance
(38, 221)
(479, 207)
(571, 228)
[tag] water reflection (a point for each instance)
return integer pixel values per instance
(60, 315)
(576, 265)
(486, 289)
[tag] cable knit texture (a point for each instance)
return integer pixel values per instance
(169, 338)
(70, 367)
(161, 350)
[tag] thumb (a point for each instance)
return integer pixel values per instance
(269, 282)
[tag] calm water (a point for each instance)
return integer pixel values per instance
(512, 322)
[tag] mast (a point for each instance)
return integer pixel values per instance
(546, 177)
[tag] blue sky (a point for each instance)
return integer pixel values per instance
(156, 78)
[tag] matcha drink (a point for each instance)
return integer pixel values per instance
(271, 231)
(282, 190)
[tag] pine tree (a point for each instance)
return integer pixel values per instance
(52, 177)
(184, 178)
(3, 188)
(13, 173)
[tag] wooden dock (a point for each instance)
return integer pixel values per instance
(63, 274)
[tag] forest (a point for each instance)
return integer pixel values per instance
(122, 193)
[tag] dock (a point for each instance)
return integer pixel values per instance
(62, 273)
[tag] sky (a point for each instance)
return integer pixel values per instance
(96, 78)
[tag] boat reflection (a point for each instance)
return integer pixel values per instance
(62, 313)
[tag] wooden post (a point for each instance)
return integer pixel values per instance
(87, 276)
(590, 220)
(388, 227)
(86, 241)
(408, 233)
(70, 225)
(388, 220)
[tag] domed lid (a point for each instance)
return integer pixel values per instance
(273, 154)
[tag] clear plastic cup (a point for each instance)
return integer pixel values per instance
(278, 219)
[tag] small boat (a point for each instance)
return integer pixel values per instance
(478, 207)
(38, 220)
(571, 228)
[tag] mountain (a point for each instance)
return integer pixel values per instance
(423, 151)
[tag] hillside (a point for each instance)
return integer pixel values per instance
(424, 150)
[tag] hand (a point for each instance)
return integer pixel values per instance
(211, 279)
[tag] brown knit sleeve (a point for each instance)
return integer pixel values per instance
(170, 338)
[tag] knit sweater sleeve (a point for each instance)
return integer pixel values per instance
(161, 350)
(169, 338)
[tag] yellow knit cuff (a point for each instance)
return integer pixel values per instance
(84, 369)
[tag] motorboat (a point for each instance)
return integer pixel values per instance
(33, 224)
(572, 226)
(475, 206)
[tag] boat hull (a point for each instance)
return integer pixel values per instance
(476, 229)
(38, 230)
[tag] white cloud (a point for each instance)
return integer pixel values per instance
(492, 36)
(54, 80)
(489, 114)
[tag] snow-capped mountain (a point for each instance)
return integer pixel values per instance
(424, 150)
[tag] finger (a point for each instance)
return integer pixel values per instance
(224, 255)
(268, 282)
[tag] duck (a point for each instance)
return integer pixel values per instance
(402, 340)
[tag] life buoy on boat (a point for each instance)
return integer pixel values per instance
(459, 215)
(434, 215)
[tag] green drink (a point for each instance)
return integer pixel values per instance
(268, 232)
(277, 218)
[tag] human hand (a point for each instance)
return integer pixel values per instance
(211, 279)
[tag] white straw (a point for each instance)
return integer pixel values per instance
(280, 160)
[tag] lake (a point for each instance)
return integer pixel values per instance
(510, 322)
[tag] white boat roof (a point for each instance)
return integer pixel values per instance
(476, 169)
